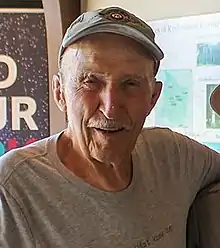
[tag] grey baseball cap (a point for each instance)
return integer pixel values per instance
(112, 20)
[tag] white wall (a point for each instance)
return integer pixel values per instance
(158, 9)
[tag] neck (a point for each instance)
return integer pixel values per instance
(107, 177)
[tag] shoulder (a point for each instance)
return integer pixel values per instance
(163, 132)
(17, 158)
(158, 143)
(160, 136)
(166, 137)
(165, 141)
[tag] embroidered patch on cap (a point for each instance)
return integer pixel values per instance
(120, 15)
(116, 15)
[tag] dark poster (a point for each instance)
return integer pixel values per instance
(24, 92)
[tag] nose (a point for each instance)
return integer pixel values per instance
(111, 102)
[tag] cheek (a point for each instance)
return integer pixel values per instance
(139, 108)
(81, 106)
(74, 104)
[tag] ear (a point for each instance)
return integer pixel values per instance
(58, 92)
(156, 94)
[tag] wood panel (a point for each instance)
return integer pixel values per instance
(58, 15)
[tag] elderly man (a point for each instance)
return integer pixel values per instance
(204, 218)
(104, 182)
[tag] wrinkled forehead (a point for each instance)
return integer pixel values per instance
(121, 64)
(109, 46)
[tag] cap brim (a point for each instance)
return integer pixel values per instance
(215, 100)
(117, 28)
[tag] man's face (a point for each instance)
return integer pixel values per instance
(109, 89)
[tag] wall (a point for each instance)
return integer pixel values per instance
(57, 20)
(187, 81)
(159, 9)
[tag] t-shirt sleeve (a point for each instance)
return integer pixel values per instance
(14, 229)
(203, 222)
(200, 165)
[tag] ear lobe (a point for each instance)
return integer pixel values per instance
(62, 105)
(58, 92)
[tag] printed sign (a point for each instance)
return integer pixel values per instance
(24, 92)
(190, 71)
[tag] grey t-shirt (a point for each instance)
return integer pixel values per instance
(44, 205)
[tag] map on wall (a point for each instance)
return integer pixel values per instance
(190, 72)
(177, 97)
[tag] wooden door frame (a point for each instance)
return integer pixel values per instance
(58, 15)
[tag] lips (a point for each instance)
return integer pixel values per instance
(109, 130)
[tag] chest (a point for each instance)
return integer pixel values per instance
(136, 219)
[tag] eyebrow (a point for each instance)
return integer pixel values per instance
(89, 74)
(136, 77)
(102, 76)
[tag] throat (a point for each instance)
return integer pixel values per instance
(111, 178)
(101, 176)
(106, 177)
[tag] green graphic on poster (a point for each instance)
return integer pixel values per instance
(208, 54)
(174, 108)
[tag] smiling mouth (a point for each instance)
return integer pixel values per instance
(109, 130)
